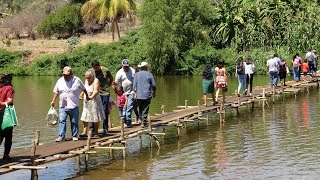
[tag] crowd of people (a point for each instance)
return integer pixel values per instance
(134, 90)
(216, 78)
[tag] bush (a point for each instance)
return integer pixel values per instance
(65, 21)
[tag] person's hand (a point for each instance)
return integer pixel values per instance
(153, 94)
(88, 98)
(135, 95)
(52, 104)
(80, 97)
(124, 112)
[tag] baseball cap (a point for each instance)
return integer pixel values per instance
(66, 70)
(125, 62)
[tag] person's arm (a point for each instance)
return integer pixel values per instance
(84, 90)
(54, 98)
(81, 95)
(110, 78)
(116, 81)
(96, 87)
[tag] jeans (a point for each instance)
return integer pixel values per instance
(273, 78)
(143, 107)
(242, 82)
(129, 108)
(295, 74)
(311, 66)
(74, 119)
(121, 111)
(249, 81)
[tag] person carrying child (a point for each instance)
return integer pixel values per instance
(121, 101)
(305, 69)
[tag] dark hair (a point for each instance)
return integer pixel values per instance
(95, 63)
(239, 60)
(6, 79)
(207, 72)
(220, 64)
(294, 57)
(297, 54)
(249, 60)
(120, 88)
(275, 55)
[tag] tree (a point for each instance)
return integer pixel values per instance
(109, 10)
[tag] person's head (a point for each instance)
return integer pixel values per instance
(119, 90)
(310, 50)
(275, 55)
(144, 65)
(315, 51)
(283, 60)
(5, 80)
(125, 65)
(67, 73)
(297, 54)
(306, 60)
(239, 60)
(294, 57)
(249, 60)
(96, 65)
(89, 76)
(208, 66)
(220, 64)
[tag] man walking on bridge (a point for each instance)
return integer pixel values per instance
(144, 87)
(68, 89)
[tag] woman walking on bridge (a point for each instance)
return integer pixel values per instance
(220, 81)
(207, 83)
(6, 98)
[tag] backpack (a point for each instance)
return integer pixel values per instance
(310, 58)
(283, 68)
(240, 68)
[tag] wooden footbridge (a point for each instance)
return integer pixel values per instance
(35, 157)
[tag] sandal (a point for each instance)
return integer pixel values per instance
(83, 135)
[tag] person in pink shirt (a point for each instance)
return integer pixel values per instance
(121, 101)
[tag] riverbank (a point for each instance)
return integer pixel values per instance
(111, 54)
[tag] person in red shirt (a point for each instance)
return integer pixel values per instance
(305, 69)
(6, 97)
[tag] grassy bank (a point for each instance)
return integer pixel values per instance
(110, 55)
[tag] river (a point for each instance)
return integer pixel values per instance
(278, 142)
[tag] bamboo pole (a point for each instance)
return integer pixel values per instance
(150, 130)
(34, 172)
(87, 150)
(124, 150)
(37, 137)
(273, 92)
(185, 104)
(122, 127)
(178, 128)
(140, 138)
(78, 164)
(162, 109)
(263, 93)
(207, 120)
(199, 112)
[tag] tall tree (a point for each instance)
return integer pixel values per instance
(109, 10)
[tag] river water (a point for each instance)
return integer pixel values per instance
(278, 142)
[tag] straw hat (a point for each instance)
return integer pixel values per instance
(66, 70)
(144, 64)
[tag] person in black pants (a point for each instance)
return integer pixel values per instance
(249, 70)
(6, 98)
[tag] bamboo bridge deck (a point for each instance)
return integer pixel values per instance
(55, 151)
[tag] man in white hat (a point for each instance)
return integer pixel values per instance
(124, 78)
(144, 87)
(68, 88)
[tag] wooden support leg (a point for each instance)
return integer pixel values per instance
(140, 138)
(150, 131)
(185, 104)
(34, 172)
(273, 93)
(178, 128)
(111, 151)
(162, 109)
(87, 149)
(78, 164)
(124, 150)
(37, 137)
(207, 120)
(122, 127)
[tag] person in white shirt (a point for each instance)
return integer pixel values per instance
(249, 70)
(272, 69)
(124, 78)
(68, 88)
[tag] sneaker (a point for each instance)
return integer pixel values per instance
(105, 132)
(6, 158)
(127, 126)
(75, 139)
(83, 135)
(245, 92)
(59, 139)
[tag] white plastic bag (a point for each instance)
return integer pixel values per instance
(52, 117)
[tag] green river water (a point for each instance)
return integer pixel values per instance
(278, 142)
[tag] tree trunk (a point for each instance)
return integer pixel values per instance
(118, 30)
(113, 29)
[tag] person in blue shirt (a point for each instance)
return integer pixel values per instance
(144, 87)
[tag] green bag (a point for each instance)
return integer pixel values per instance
(9, 117)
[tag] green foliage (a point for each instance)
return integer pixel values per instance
(169, 28)
(72, 42)
(65, 21)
